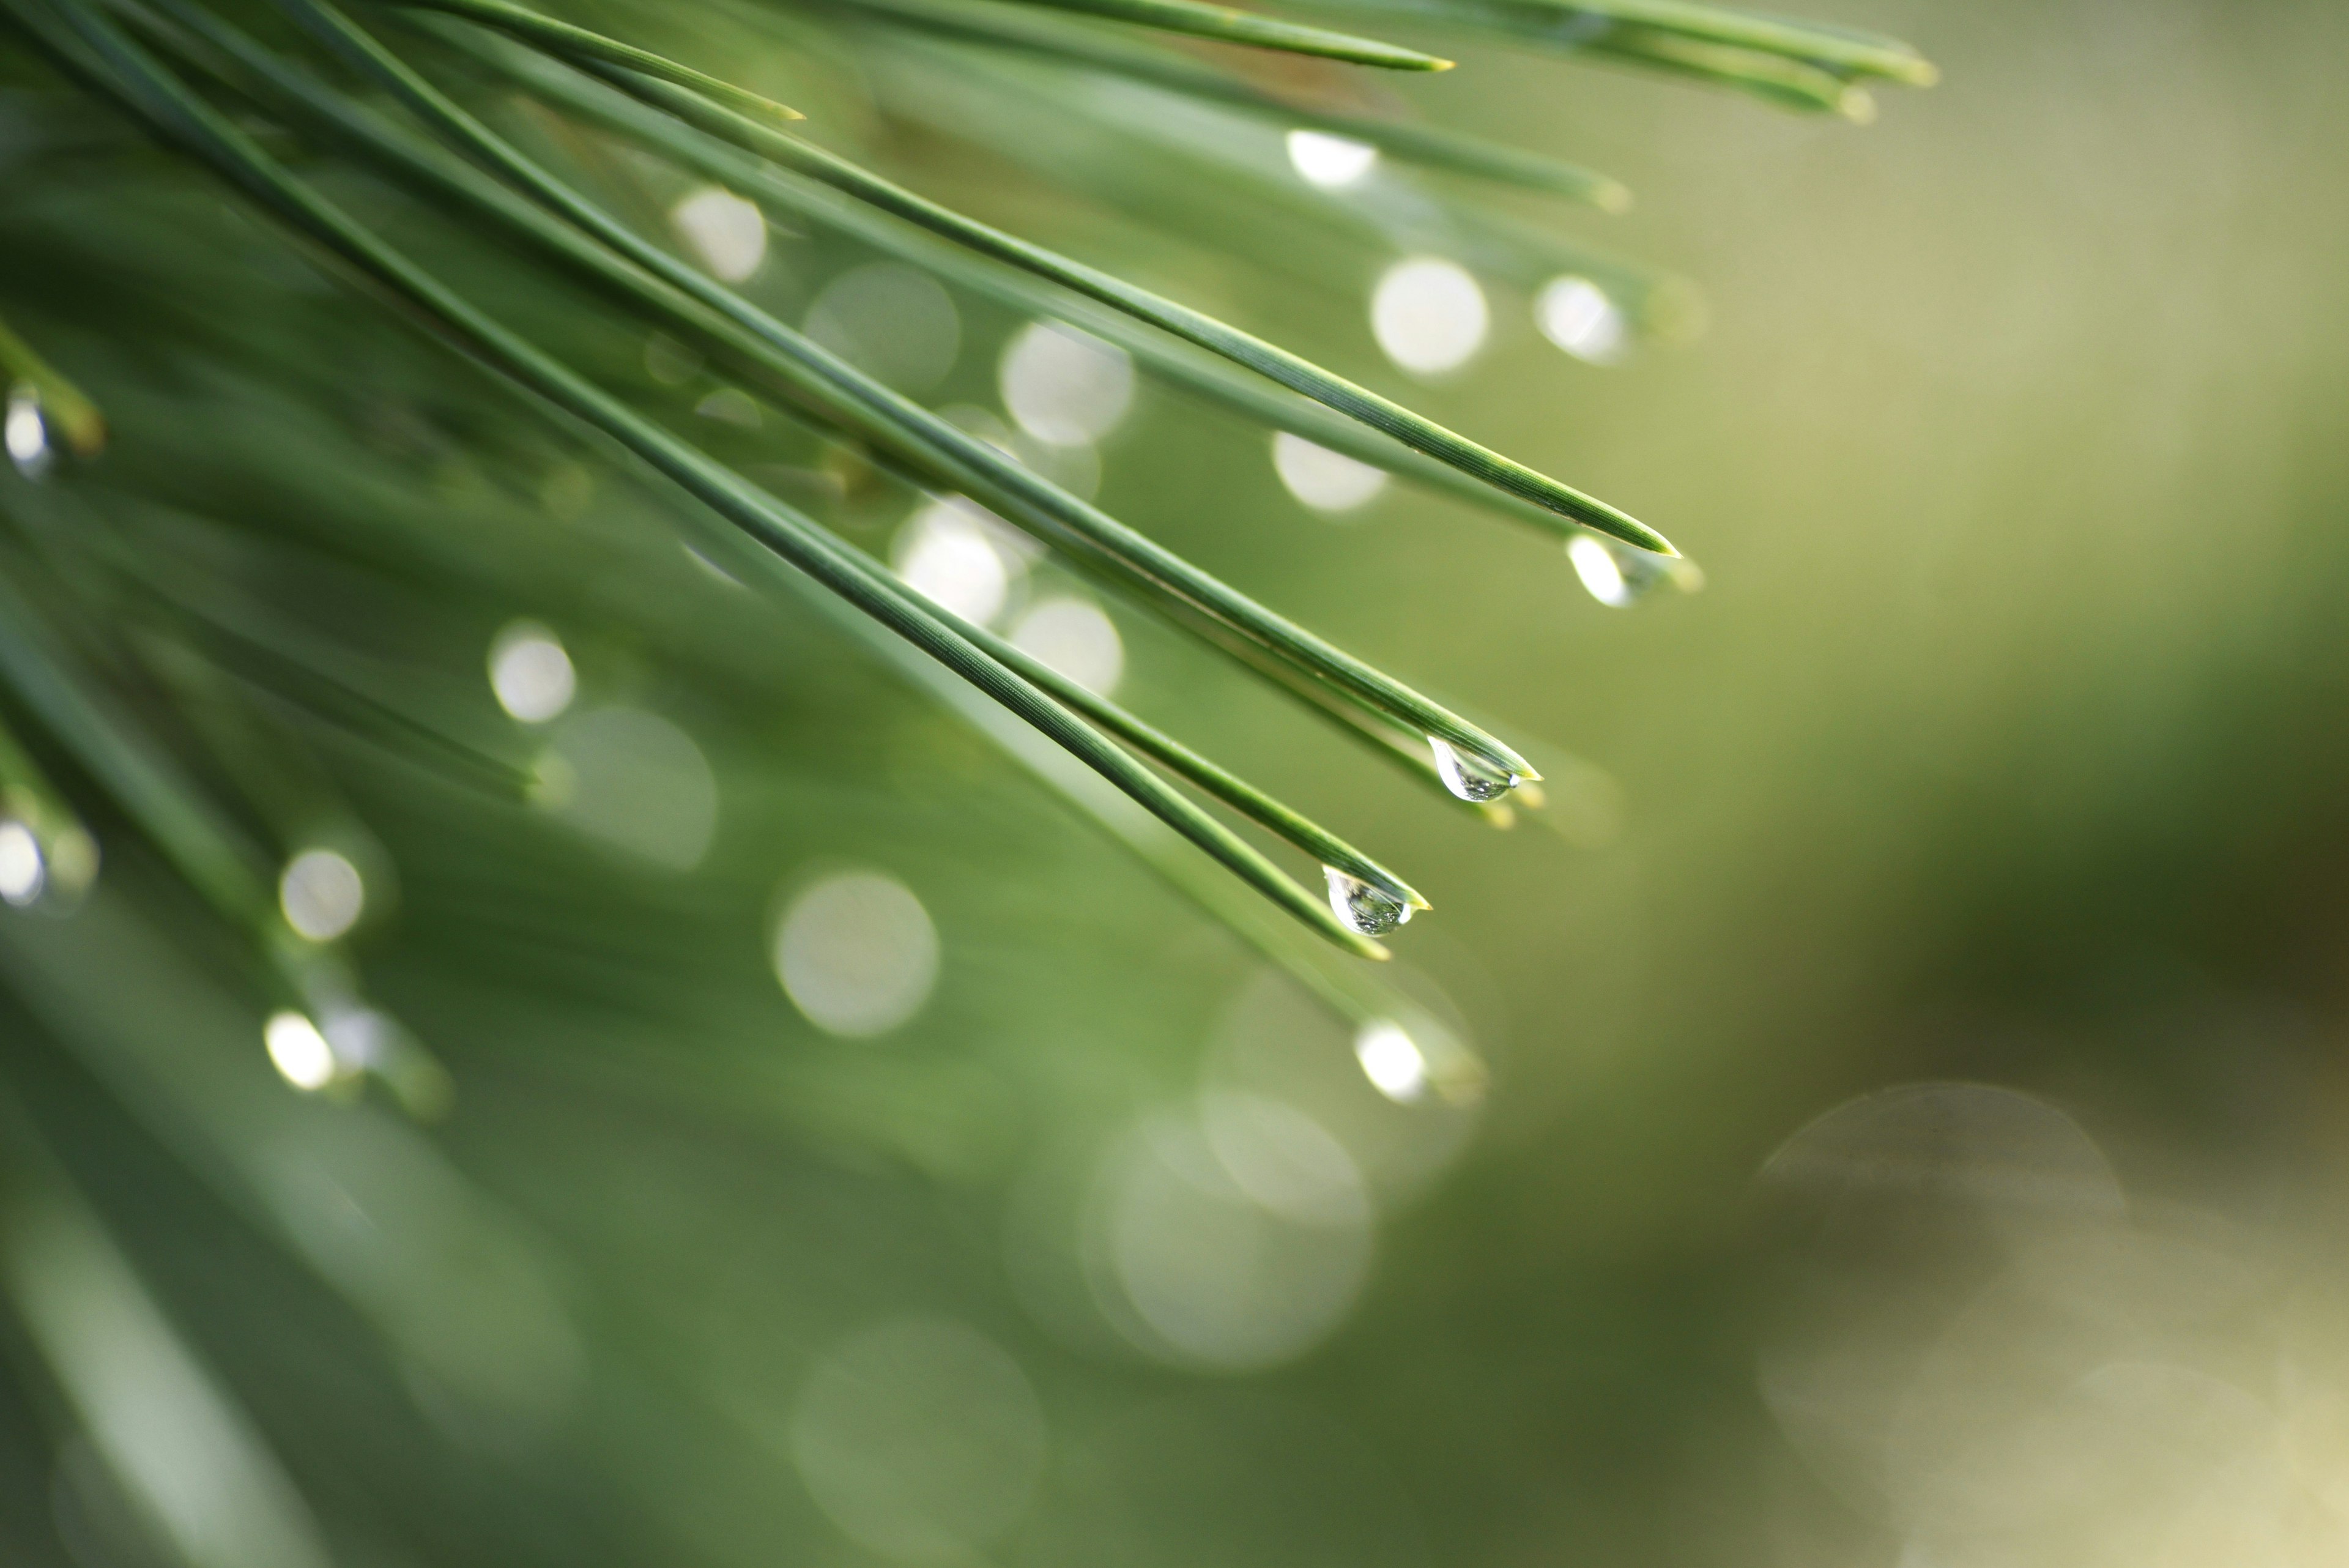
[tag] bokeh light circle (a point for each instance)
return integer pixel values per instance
(857, 954)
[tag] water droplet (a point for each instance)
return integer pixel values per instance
(1331, 163)
(728, 234)
(1576, 315)
(1429, 315)
(22, 869)
(26, 431)
(1372, 912)
(1615, 574)
(1471, 777)
(300, 1052)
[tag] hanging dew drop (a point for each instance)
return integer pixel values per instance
(1615, 574)
(23, 868)
(1472, 778)
(1372, 912)
(26, 431)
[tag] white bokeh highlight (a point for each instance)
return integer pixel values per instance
(1391, 1061)
(26, 433)
(1576, 315)
(321, 894)
(1401, 1092)
(1075, 638)
(1327, 482)
(726, 234)
(1065, 386)
(856, 954)
(530, 673)
(1235, 1236)
(23, 870)
(299, 1051)
(948, 555)
(1329, 163)
(1429, 315)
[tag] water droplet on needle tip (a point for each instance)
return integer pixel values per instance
(1471, 778)
(299, 1052)
(26, 431)
(24, 870)
(1366, 910)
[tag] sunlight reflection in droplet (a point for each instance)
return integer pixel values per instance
(1331, 163)
(22, 870)
(1327, 480)
(27, 433)
(1063, 386)
(321, 894)
(946, 554)
(1075, 638)
(856, 954)
(728, 234)
(1602, 578)
(531, 673)
(300, 1054)
(635, 781)
(1575, 314)
(891, 321)
(920, 1439)
(1429, 315)
(1237, 1235)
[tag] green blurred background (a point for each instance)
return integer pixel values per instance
(2003, 748)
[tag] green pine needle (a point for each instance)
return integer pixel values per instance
(1274, 363)
(579, 43)
(1253, 28)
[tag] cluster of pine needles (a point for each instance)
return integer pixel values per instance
(258, 95)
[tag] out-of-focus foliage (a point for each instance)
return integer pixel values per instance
(853, 1159)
